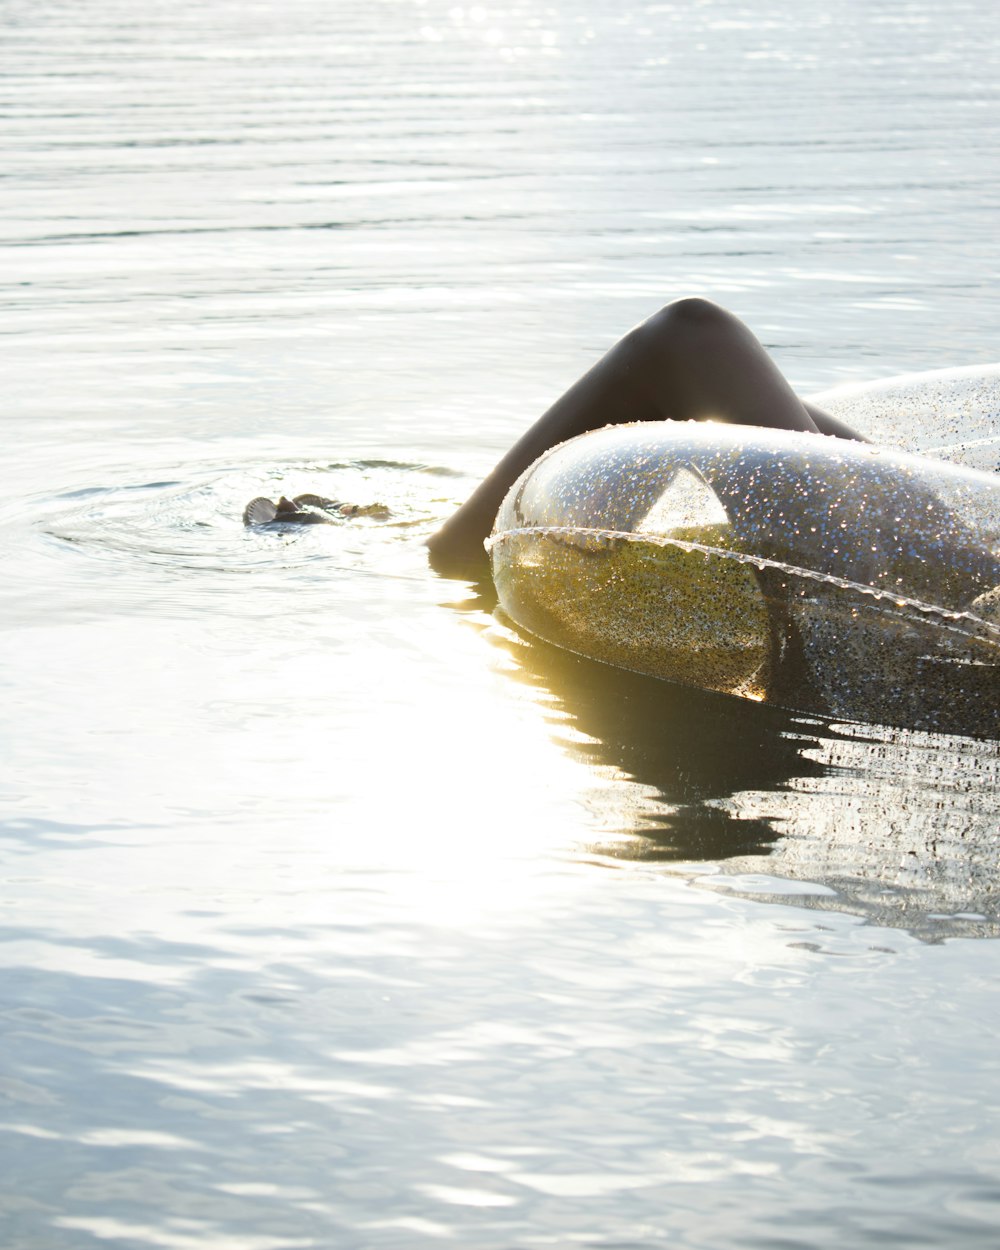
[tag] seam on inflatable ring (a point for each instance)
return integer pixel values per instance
(949, 619)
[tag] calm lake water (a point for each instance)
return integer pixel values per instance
(335, 913)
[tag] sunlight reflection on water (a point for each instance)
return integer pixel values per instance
(335, 913)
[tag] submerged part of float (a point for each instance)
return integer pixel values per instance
(823, 574)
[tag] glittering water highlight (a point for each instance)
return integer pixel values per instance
(335, 911)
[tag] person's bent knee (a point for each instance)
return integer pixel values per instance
(687, 324)
(691, 314)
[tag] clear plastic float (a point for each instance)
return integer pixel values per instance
(844, 578)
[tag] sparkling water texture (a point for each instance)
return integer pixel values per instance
(337, 913)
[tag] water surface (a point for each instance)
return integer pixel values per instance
(337, 914)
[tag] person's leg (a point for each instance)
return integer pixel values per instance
(828, 424)
(690, 361)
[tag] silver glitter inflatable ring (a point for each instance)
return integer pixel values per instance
(846, 578)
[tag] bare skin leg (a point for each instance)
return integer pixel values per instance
(690, 361)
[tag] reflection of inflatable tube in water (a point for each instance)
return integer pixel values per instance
(829, 575)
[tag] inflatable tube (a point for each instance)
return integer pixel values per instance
(823, 574)
(951, 414)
